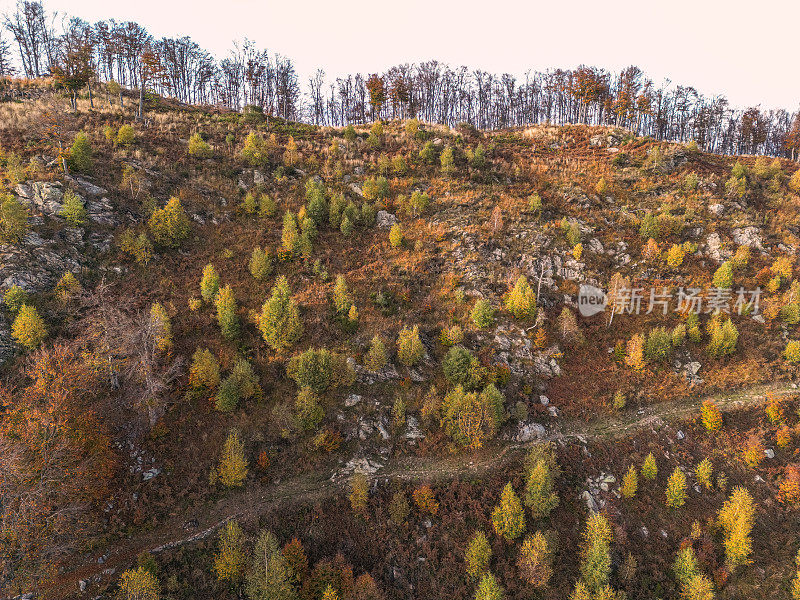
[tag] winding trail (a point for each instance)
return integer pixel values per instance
(258, 498)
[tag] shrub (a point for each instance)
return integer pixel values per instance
(630, 483)
(260, 264)
(398, 508)
(649, 468)
(676, 489)
(508, 516)
(280, 318)
(703, 473)
(169, 225)
(675, 256)
(198, 147)
(233, 465)
(138, 584)
(209, 283)
(80, 155)
(521, 301)
(375, 358)
(711, 416)
(204, 370)
(417, 203)
(308, 411)
(723, 277)
(425, 500)
(73, 210)
(126, 135)
(28, 328)
(482, 314)
(319, 370)
(534, 560)
(14, 298)
(226, 313)
(13, 219)
(535, 203)
(619, 400)
(409, 347)
(396, 236)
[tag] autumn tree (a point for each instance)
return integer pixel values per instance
(477, 556)
(232, 469)
(229, 560)
(534, 560)
(521, 301)
(279, 322)
(138, 584)
(508, 517)
(268, 576)
(28, 328)
(676, 489)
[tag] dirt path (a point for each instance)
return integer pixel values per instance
(257, 499)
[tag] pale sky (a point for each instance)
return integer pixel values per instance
(747, 51)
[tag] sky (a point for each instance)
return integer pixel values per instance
(745, 51)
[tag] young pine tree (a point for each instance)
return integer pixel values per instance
(676, 489)
(229, 561)
(375, 358)
(534, 561)
(649, 468)
(233, 465)
(477, 556)
(711, 416)
(539, 495)
(508, 517)
(260, 264)
(521, 300)
(226, 313)
(161, 327)
(280, 323)
(204, 370)
(489, 589)
(28, 328)
(268, 576)
(409, 347)
(630, 483)
(209, 283)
